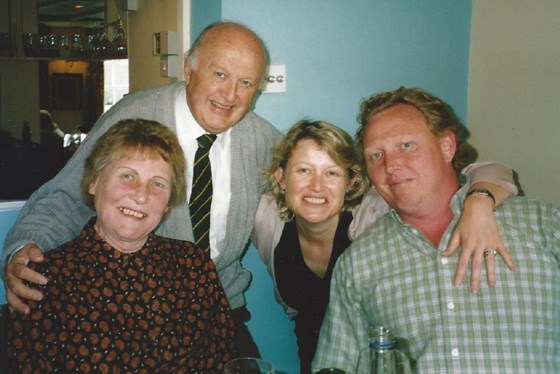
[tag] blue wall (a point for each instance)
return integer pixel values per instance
(9, 211)
(337, 52)
(203, 13)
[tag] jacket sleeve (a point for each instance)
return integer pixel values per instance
(492, 172)
(267, 229)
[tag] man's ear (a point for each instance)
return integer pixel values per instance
(279, 175)
(186, 70)
(448, 144)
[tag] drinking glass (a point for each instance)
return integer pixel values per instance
(248, 365)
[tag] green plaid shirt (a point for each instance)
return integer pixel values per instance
(393, 276)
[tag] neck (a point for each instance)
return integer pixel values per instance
(432, 225)
(316, 242)
(317, 232)
(433, 221)
(119, 245)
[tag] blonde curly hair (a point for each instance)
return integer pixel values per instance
(340, 147)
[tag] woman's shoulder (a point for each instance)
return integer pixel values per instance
(268, 226)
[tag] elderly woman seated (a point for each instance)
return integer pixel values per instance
(121, 298)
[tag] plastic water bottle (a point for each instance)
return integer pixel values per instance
(381, 357)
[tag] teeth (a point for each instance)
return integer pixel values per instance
(221, 106)
(130, 212)
(315, 200)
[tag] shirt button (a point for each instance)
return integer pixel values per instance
(455, 352)
(450, 305)
(444, 260)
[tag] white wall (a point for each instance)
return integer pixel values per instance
(514, 84)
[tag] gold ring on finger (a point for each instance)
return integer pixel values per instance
(489, 252)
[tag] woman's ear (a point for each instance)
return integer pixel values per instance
(279, 175)
(351, 182)
(91, 188)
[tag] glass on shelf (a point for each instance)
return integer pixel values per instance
(31, 45)
(104, 41)
(76, 42)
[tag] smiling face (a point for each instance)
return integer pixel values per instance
(410, 167)
(224, 77)
(131, 195)
(315, 184)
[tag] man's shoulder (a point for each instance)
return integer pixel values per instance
(149, 93)
(378, 229)
(155, 103)
(528, 205)
(520, 211)
(383, 231)
(254, 122)
(255, 131)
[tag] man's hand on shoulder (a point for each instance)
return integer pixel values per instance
(17, 271)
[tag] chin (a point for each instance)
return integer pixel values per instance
(315, 219)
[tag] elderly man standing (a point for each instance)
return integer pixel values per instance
(394, 274)
(223, 70)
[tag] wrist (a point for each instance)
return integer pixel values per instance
(482, 193)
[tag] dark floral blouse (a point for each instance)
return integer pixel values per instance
(158, 310)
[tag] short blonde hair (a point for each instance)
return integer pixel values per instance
(440, 117)
(337, 143)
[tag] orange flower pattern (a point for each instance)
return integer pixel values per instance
(161, 309)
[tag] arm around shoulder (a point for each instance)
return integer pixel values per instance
(494, 177)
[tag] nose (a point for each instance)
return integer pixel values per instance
(140, 193)
(315, 182)
(392, 162)
(230, 90)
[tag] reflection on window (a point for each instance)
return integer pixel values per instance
(116, 81)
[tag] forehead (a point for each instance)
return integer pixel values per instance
(137, 158)
(137, 153)
(304, 145)
(233, 45)
(398, 119)
(300, 152)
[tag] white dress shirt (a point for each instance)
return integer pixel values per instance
(187, 132)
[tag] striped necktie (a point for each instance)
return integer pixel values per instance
(201, 193)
